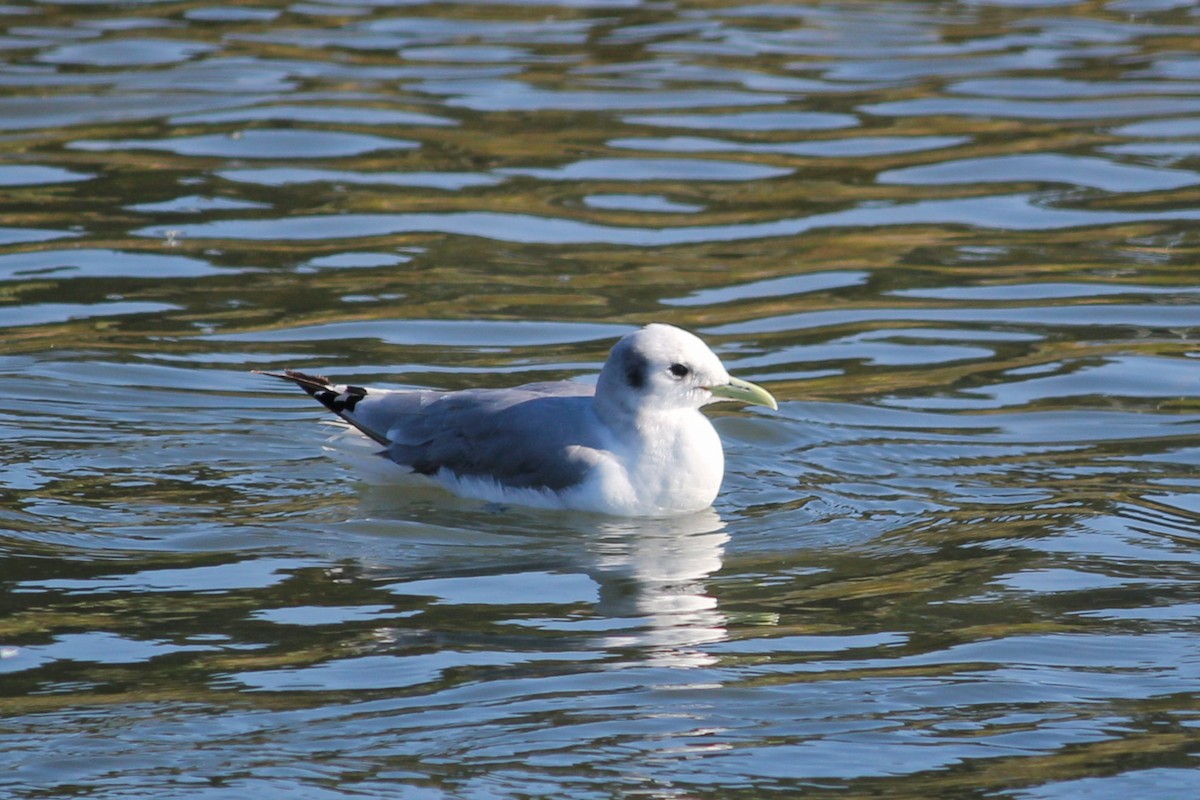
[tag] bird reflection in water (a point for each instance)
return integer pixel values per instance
(655, 572)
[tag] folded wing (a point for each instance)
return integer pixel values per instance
(535, 436)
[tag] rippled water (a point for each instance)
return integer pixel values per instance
(956, 240)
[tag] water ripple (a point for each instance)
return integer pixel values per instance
(1010, 212)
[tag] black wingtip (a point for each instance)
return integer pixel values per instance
(341, 400)
(309, 383)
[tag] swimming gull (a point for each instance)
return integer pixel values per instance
(635, 444)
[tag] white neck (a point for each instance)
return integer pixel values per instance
(674, 459)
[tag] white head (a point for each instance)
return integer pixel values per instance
(663, 368)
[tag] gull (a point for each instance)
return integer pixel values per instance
(634, 444)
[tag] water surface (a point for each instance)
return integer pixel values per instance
(957, 241)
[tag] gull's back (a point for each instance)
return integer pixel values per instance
(537, 436)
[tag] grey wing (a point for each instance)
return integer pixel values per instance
(541, 435)
(517, 437)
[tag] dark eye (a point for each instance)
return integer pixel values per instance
(679, 370)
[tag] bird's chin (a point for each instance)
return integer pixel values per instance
(692, 400)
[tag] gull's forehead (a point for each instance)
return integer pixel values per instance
(658, 343)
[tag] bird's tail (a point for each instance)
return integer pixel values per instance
(338, 398)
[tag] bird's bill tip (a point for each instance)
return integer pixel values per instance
(744, 392)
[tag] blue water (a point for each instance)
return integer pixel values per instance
(957, 241)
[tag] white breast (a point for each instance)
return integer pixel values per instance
(675, 465)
